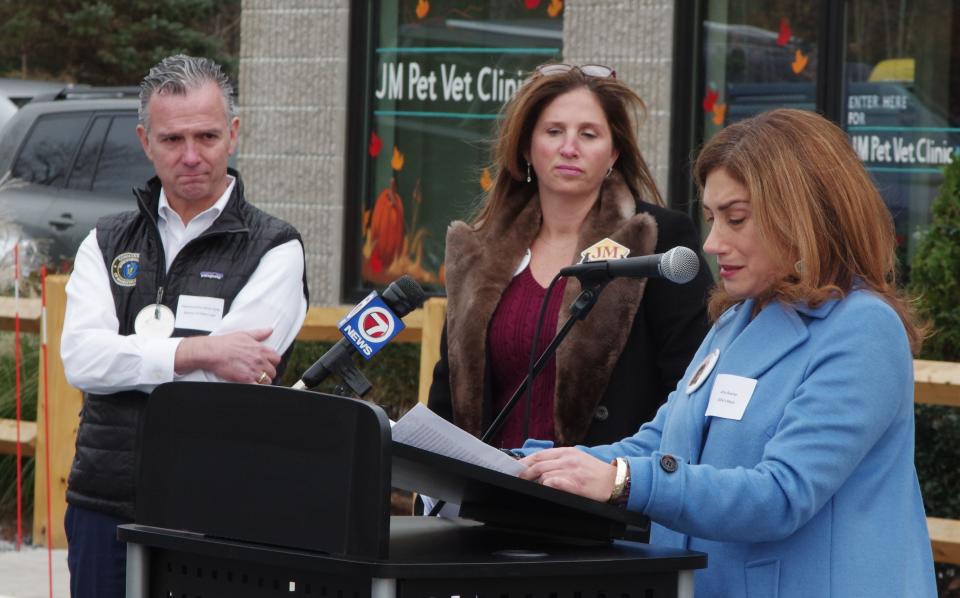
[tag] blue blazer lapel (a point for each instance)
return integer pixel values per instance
(776, 331)
(724, 333)
(748, 348)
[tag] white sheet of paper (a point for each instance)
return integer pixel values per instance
(730, 396)
(424, 429)
(199, 313)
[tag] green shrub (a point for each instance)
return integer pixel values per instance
(935, 272)
(394, 373)
(30, 348)
(935, 281)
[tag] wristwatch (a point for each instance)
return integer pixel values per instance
(621, 483)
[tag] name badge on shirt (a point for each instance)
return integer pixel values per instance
(730, 396)
(199, 313)
(154, 321)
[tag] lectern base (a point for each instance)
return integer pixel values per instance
(429, 558)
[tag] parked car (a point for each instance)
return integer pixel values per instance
(21, 91)
(7, 110)
(16, 92)
(67, 159)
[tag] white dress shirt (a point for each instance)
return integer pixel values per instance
(97, 359)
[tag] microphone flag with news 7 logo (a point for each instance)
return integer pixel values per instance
(370, 325)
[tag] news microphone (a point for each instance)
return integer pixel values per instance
(679, 265)
(401, 297)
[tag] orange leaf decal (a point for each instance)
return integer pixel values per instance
(531, 4)
(397, 162)
(485, 181)
(799, 62)
(423, 7)
(784, 36)
(719, 112)
(555, 7)
(709, 100)
(375, 145)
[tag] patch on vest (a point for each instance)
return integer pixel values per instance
(125, 268)
(214, 275)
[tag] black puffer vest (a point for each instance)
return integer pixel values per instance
(218, 264)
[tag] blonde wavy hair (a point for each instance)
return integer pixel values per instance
(816, 208)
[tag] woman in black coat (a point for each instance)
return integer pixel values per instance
(569, 177)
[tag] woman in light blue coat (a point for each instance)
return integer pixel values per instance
(786, 451)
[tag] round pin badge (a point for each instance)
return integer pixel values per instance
(703, 371)
(154, 321)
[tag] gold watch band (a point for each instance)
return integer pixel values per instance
(620, 481)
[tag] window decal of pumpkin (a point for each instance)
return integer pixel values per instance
(387, 226)
(388, 250)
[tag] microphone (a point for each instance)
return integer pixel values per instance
(401, 297)
(679, 265)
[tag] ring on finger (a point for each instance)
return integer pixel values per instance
(263, 379)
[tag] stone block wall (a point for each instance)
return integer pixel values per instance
(293, 97)
(636, 38)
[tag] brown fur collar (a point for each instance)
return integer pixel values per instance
(479, 266)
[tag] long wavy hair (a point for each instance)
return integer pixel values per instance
(623, 108)
(817, 211)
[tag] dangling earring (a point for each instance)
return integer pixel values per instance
(528, 172)
(609, 171)
(798, 266)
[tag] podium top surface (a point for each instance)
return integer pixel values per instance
(508, 501)
(223, 460)
(430, 547)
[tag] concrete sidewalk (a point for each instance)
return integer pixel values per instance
(23, 574)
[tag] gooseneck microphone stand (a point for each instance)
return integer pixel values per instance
(579, 309)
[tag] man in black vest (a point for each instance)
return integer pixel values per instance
(196, 284)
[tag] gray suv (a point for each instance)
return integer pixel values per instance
(66, 160)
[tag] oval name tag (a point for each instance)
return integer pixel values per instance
(154, 321)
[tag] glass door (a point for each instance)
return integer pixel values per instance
(901, 102)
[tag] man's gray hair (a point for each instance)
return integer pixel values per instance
(177, 74)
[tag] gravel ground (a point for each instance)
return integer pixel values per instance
(24, 573)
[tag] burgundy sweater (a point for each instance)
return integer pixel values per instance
(510, 338)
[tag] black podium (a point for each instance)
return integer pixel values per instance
(265, 491)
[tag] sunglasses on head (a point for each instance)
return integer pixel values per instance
(590, 70)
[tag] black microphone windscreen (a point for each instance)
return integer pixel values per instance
(404, 295)
(680, 265)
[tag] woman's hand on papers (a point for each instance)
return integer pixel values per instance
(571, 470)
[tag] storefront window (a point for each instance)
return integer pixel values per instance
(758, 55)
(437, 75)
(902, 103)
(893, 68)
